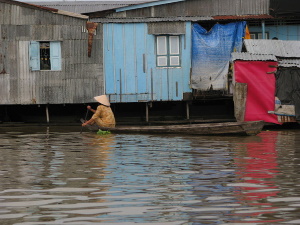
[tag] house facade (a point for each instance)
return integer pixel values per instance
(141, 52)
(140, 42)
(273, 89)
(142, 63)
(48, 56)
(148, 47)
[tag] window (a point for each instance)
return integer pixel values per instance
(45, 55)
(256, 35)
(168, 51)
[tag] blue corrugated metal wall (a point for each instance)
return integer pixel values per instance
(282, 32)
(130, 68)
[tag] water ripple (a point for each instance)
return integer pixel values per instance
(58, 177)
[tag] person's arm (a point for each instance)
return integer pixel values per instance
(88, 122)
(90, 108)
(96, 114)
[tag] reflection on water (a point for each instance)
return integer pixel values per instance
(52, 176)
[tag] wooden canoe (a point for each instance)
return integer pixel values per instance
(226, 128)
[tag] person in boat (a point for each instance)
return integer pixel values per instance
(103, 115)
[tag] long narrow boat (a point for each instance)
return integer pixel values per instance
(226, 128)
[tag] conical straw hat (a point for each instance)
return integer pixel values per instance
(102, 99)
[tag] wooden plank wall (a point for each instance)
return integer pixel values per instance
(130, 63)
(81, 77)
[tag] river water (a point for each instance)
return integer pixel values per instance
(52, 175)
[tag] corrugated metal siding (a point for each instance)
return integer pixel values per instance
(17, 15)
(201, 8)
(245, 56)
(5, 88)
(275, 47)
(289, 63)
(26, 79)
(152, 20)
(81, 77)
(86, 6)
(130, 69)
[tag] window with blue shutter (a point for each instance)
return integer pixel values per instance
(34, 55)
(55, 55)
(45, 55)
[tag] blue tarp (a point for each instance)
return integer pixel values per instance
(211, 52)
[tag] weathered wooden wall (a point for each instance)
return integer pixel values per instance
(81, 77)
(130, 63)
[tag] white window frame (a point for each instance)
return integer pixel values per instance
(258, 35)
(168, 52)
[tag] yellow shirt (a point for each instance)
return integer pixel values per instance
(104, 117)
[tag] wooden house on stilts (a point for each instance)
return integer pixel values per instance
(180, 50)
(168, 54)
(48, 57)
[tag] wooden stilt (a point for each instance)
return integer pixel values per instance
(47, 114)
(187, 110)
(147, 112)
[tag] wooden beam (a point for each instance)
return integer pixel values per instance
(239, 98)
(47, 114)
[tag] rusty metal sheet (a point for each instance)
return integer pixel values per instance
(287, 119)
(245, 56)
(91, 27)
(243, 17)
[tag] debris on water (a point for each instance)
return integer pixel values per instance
(103, 132)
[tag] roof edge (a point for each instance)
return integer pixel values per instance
(43, 8)
(67, 13)
(147, 4)
(239, 17)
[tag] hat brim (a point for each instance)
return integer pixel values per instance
(102, 99)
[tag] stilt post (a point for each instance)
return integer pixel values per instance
(187, 110)
(147, 112)
(47, 114)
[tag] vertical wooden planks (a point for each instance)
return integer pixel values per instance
(239, 98)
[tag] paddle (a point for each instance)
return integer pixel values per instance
(87, 112)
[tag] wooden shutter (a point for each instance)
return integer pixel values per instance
(55, 55)
(34, 55)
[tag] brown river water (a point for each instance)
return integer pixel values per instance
(56, 176)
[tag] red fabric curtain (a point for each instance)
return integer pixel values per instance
(260, 91)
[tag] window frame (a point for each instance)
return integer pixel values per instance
(45, 47)
(54, 57)
(167, 54)
(258, 35)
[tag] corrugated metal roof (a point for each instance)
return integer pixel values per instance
(243, 17)
(40, 7)
(289, 63)
(87, 6)
(150, 4)
(238, 8)
(28, 5)
(278, 48)
(152, 19)
(245, 56)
